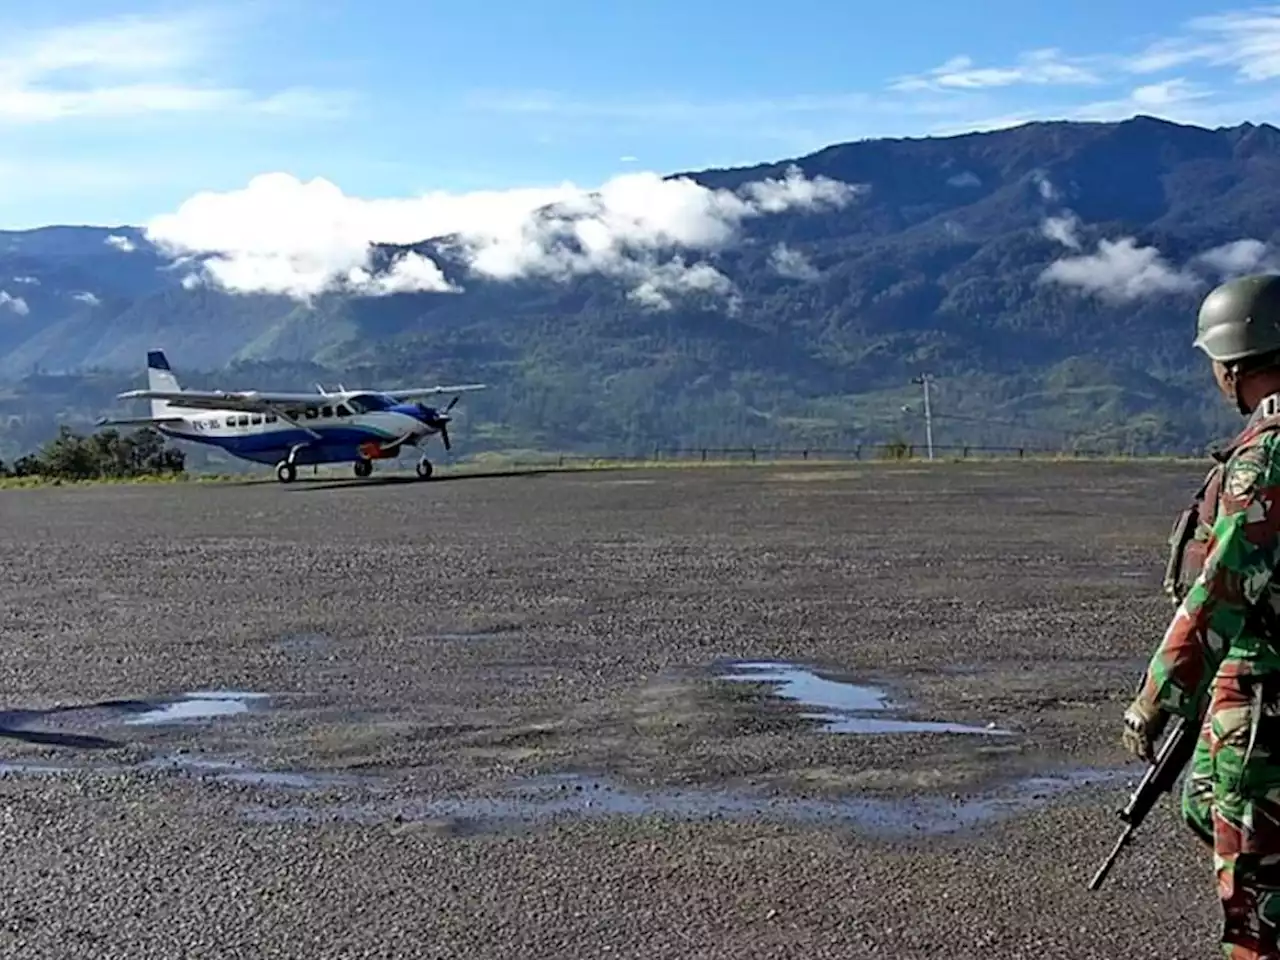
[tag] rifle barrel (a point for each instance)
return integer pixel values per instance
(1103, 870)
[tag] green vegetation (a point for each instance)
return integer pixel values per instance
(103, 456)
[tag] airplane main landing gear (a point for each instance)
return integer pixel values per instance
(363, 468)
(424, 469)
(286, 469)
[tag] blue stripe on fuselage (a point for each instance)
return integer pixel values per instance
(339, 444)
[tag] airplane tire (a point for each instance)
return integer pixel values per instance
(286, 472)
(424, 469)
(363, 468)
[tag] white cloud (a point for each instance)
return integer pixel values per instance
(1047, 190)
(1039, 67)
(127, 66)
(281, 235)
(1063, 229)
(13, 304)
(87, 297)
(32, 281)
(1122, 271)
(792, 263)
(966, 179)
(121, 243)
(1238, 258)
(410, 273)
(1247, 41)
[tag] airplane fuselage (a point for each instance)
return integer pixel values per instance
(328, 431)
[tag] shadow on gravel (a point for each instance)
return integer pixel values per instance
(15, 724)
(198, 705)
(301, 486)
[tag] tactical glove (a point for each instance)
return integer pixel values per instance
(1143, 723)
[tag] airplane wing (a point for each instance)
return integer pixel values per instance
(136, 421)
(414, 392)
(248, 401)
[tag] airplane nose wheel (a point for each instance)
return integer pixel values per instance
(286, 472)
(363, 468)
(424, 469)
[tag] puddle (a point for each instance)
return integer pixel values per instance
(563, 796)
(302, 643)
(843, 705)
(198, 705)
(20, 769)
(462, 637)
(211, 768)
(233, 771)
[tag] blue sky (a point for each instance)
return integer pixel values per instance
(116, 112)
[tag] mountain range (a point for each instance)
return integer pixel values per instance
(1045, 276)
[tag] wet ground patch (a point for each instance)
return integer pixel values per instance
(839, 705)
(560, 797)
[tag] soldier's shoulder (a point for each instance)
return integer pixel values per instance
(1254, 465)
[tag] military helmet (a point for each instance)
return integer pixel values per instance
(1240, 318)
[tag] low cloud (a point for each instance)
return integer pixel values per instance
(792, 263)
(87, 297)
(281, 235)
(1123, 271)
(1238, 258)
(1063, 229)
(121, 243)
(13, 304)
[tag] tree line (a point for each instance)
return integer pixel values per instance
(99, 456)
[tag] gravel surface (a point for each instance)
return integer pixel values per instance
(492, 716)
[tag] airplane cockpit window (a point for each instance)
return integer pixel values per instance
(326, 412)
(312, 413)
(244, 420)
(257, 418)
(272, 418)
(343, 411)
(368, 402)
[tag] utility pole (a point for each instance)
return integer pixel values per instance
(924, 380)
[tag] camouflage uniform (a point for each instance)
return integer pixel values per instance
(1217, 666)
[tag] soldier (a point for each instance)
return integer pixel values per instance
(1218, 664)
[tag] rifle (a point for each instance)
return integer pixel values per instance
(1160, 777)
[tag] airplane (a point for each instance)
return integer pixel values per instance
(295, 429)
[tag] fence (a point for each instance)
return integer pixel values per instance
(869, 451)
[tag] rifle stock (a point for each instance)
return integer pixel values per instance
(1161, 775)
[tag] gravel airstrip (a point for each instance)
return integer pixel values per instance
(864, 710)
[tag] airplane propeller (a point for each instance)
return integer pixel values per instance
(439, 420)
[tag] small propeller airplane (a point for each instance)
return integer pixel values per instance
(295, 429)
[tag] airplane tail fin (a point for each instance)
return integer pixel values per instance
(160, 377)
